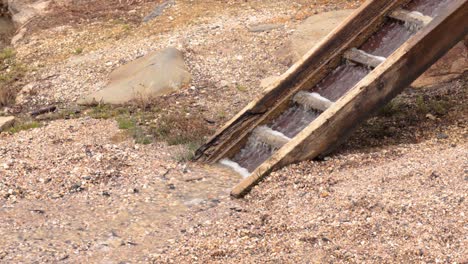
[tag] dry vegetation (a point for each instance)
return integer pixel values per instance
(11, 73)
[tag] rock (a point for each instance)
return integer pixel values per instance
(7, 29)
(158, 73)
(6, 122)
(306, 36)
(431, 117)
(309, 33)
(224, 83)
(442, 136)
(448, 68)
(158, 10)
(23, 11)
(18, 37)
(264, 27)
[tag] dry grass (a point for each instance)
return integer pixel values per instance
(146, 124)
(10, 72)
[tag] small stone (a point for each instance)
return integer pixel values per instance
(442, 136)
(193, 179)
(223, 83)
(76, 187)
(431, 117)
(264, 27)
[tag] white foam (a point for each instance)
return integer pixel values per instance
(417, 13)
(270, 137)
(236, 167)
(312, 101)
(321, 98)
(379, 58)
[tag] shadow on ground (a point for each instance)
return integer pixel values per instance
(412, 117)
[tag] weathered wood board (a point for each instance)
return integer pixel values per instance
(374, 91)
(307, 72)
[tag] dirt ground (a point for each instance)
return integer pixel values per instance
(75, 187)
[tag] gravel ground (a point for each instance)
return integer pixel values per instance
(226, 60)
(81, 190)
(68, 191)
(400, 204)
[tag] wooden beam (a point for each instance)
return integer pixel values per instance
(412, 18)
(361, 57)
(399, 70)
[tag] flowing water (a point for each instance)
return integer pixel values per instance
(341, 80)
(428, 7)
(388, 39)
(294, 120)
(253, 154)
(297, 117)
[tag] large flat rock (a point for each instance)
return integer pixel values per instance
(6, 122)
(158, 73)
(24, 10)
(310, 32)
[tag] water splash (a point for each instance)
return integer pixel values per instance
(273, 138)
(431, 8)
(294, 120)
(312, 101)
(236, 167)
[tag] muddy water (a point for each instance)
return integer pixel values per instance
(290, 123)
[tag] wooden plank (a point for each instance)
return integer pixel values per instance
(363, 58)
(380, 86)
(412, 18)
(308, 71)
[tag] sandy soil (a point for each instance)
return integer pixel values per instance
(401, 204)
(80, 190)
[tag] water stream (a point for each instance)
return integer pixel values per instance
(252, 155)
(430, 8)
(388, 39)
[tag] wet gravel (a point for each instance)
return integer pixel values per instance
(401, 204)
